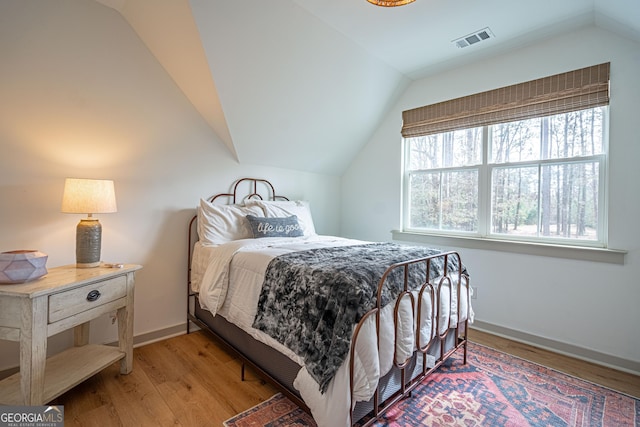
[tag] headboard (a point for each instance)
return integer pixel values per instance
(249, 188)
(241, 190)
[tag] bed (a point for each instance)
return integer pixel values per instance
(344, 328)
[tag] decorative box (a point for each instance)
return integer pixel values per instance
(22, 266)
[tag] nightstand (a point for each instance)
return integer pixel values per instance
(67, 297)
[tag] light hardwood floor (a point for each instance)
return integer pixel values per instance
(190, 381)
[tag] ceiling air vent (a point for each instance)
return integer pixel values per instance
(473, 38)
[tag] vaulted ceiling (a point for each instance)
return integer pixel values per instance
(303, 84)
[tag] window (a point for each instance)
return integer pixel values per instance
(539, 178)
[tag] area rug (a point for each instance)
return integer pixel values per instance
(493, 389)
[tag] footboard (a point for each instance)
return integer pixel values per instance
(425, 314)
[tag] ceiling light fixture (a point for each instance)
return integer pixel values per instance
(390, 3)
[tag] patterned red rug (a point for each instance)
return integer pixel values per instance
(493, 389)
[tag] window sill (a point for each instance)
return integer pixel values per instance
(611, 256)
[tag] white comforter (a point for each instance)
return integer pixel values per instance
(229, 278)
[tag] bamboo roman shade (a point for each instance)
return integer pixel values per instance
(561, 93)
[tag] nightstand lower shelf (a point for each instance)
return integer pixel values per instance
(64, 371)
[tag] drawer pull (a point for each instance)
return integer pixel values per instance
(93, 296)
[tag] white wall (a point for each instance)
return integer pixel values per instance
(81, 96)
(591, 306)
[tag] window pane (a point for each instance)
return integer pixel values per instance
(515, 141)
(444, 200)
(563, 136)
(451, 149)
(569, 201)
(424, 195)
(514, 201)
(579, 133)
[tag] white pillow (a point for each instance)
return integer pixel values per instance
(285, 208)
(219, 224)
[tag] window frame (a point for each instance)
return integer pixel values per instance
(484, 214)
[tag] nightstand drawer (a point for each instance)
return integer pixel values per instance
(66, 304)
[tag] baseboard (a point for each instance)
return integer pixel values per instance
(614, 362)
(5, 373)
(158, 335)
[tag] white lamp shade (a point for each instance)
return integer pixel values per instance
(89, 196)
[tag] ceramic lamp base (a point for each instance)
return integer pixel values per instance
(88, 242)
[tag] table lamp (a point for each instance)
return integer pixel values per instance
(88, 196)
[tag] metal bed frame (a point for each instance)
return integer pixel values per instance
(405, 375)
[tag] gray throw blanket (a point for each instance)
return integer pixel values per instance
(311, 300)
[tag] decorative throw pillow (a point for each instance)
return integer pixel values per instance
(282, 208)
(275, 227)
